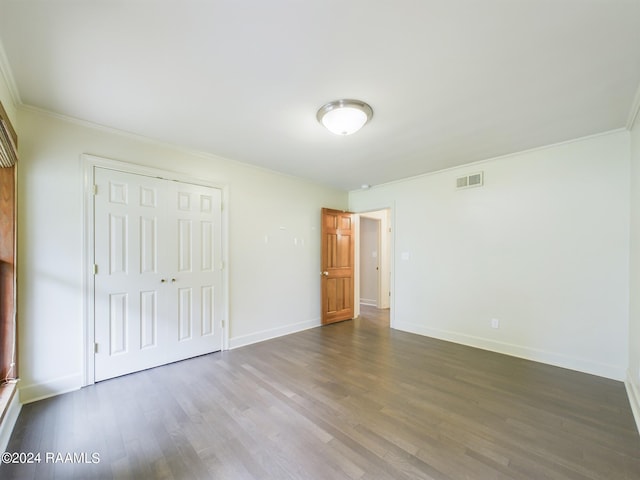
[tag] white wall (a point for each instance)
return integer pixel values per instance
(633, 374)
(543, 247)
(274, 285)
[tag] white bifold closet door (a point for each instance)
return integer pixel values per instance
(158, 278)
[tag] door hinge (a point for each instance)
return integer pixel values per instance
(95, 268)
(222, 323)
(95, 189)
(95, 347)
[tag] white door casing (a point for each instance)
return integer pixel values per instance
(158, 285)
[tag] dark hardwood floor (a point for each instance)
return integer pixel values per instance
(353, 400)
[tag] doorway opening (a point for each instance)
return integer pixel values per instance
(373, 266)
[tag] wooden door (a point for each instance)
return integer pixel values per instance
(158, 276)
(337, 264)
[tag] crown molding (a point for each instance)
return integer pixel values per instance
(7, 74)
(163, 144)
(472, 165)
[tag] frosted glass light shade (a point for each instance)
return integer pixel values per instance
(344, 117)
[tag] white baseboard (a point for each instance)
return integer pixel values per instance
(366, 301)
(550, 358)
(9, 421)
(633, 393)
(244, 340)
(58, 386)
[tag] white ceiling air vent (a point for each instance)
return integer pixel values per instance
(471, 180)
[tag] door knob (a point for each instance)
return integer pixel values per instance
(326, 274)
(163, 280)
(173, 280)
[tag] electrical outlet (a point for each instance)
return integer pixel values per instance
(495, 323)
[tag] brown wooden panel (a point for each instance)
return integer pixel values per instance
(8, 340)
(339, 294)
(332, 250)
(6, 214)
(7, 269)
(339, 298)
(330, 221)
(330, 305)
(344, 250)
(337, 266)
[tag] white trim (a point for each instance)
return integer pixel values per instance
(467, 166)
(634, 398)
(391, 223)
(88, 279)
(164, 144)
(7, 74)
(9, 421)
(368, 302)
(137, 169)
(89, 164)
(384, 261)
(572, 363)
(58, 386)
(244, 340)
(356, 265)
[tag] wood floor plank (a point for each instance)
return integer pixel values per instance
(353, 400)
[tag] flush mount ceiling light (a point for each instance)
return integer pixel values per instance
(344, 117)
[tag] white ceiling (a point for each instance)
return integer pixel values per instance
(450, 81)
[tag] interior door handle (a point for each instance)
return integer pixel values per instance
(326, 274)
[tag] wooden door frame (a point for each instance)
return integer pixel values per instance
(89, 164)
